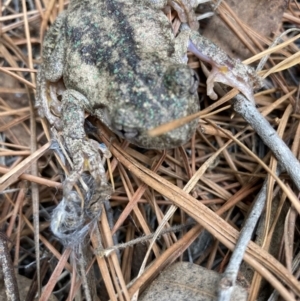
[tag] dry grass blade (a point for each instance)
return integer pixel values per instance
(34, 179)
(289, 62)
(11, 176)
(19, 78)
(179, 122)
(96, 241)
(52, 281)
(271, 50)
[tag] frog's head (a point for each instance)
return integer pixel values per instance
(169, 97)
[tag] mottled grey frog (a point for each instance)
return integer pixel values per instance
(120, 61)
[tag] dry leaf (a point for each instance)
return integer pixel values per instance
(23, 285)
(264, 17)
(187, 281)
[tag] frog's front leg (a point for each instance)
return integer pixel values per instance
(225, 70)
(83, 151)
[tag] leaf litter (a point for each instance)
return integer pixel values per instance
(225, 175)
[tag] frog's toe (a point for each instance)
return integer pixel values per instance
(52, 119)
(100, 193)
(96, 168)
(86, 157)
(94, 163)
(126, 132)
(244, 85)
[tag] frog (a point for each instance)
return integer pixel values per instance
(120, 61)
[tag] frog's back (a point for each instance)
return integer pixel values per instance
(125, 26)
(107, 40)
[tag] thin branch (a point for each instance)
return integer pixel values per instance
(228, 279)
(269, 136)
(10, 281)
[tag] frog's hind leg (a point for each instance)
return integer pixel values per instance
(51, 69)
(83, 151)
(54, 49)
(43, 100)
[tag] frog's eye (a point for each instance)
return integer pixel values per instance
(180, 79)
(195, 82)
